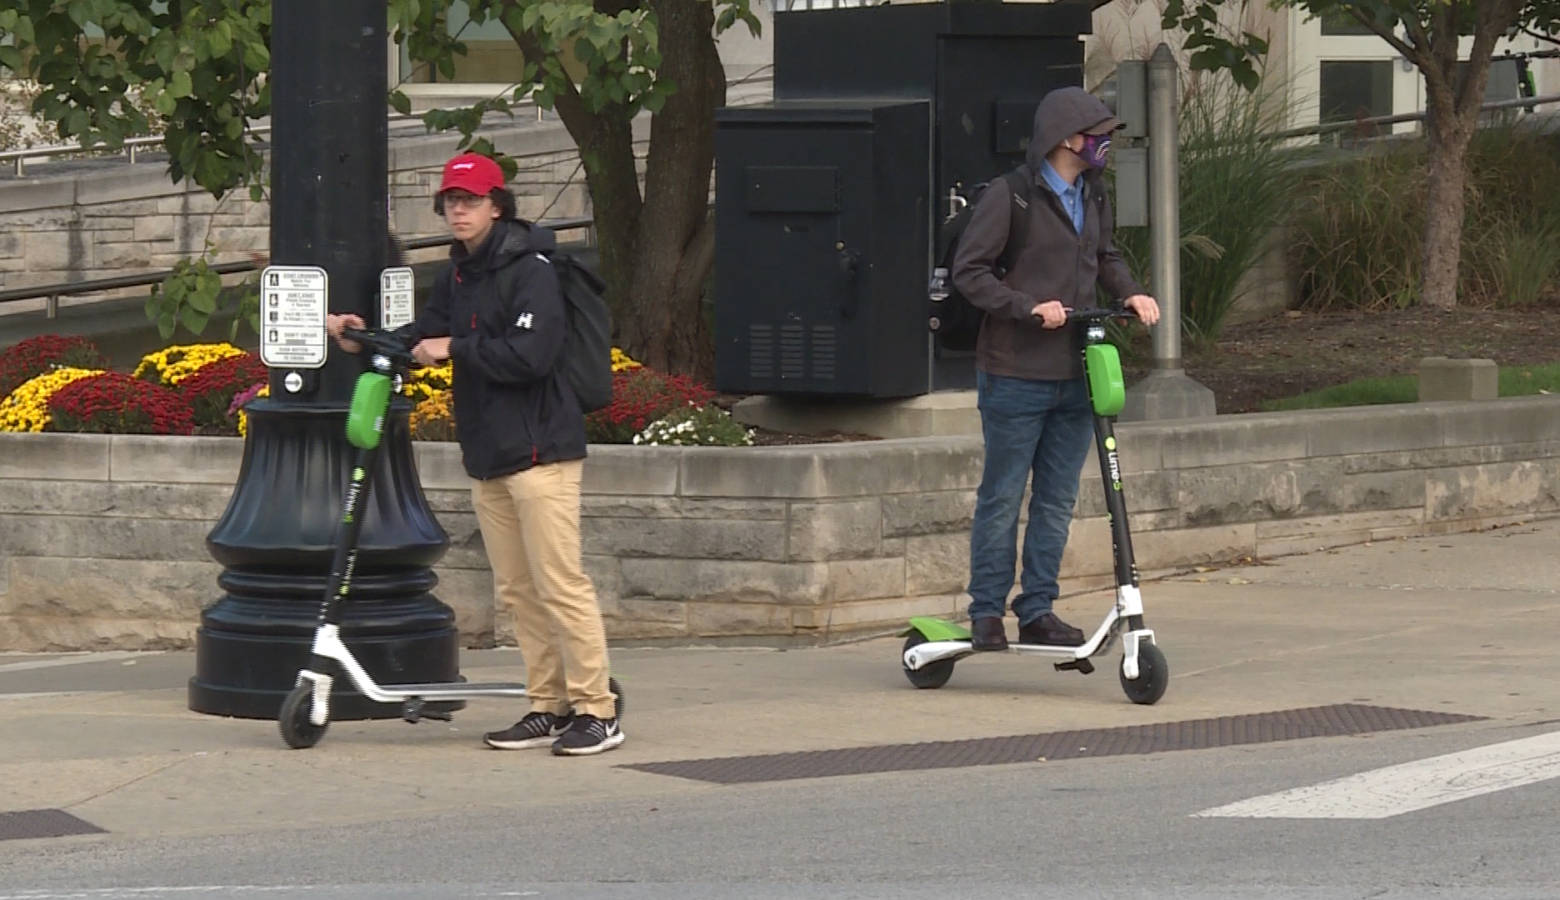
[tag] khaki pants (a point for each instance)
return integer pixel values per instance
(531, 527)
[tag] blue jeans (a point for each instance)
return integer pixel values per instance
(1033, 429)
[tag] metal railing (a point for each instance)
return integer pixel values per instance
(132, 147)
(1373, 121)
(51, 293)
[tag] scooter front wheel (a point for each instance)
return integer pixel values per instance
(931, 675)
(1153, 675)
(297, 730)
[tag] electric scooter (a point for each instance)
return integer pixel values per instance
(932, 645)
(305, 713)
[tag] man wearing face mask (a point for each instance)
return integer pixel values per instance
(1033, 400)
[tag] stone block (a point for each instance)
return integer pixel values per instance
(1441, 378)
(1494, 489)
(50, 456)
(55, 634)
(130, 255)
(175, 459)
(59, 251)
(104, 537)
(844, 529)
(737, 581)
(1088, 551)
(1196, 546)
(938, 512)
(852, 469)
(88, 587)
(887, 613)
(744, 619)
(1517, 420)
(641, 471)
(1374, 429)
(439, 466)
(937, 563)
(1250, 438)
(861, 579)
(173, 501)
(686, 538)
(936, 413)
(155, 228)
(1144, 491)
(1366, 522)
(632, 507)
(1167, 394)
(469, 592)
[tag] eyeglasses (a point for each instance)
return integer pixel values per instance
(465, 201)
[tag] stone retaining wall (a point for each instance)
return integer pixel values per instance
(102, 537)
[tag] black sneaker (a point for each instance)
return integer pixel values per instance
(588, 735)
(535, 730)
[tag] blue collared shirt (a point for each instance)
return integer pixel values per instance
(1071, 194)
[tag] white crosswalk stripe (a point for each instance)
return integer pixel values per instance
(1395, 790)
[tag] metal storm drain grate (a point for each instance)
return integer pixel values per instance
(1197, 734)
(43, 823)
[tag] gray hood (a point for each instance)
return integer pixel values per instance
(1063, 113)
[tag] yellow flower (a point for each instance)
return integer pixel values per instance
(27, 407)
(433, 419)
(172, 365)
(622, 361)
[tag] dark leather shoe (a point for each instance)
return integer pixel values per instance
(987, 633)
(1048, 629)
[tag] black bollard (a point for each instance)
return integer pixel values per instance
(329, 174)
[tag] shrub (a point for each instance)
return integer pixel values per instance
(1358, 239)
(696, 426)
(36, 355)
(424, 383)
(27, 407)
(211, 389)
(640, 396)
(172, 365)
(116, 403)
(1237, 185)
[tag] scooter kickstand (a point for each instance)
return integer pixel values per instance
(1079, 665)
(415, 709)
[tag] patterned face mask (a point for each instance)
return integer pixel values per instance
(1096, 150)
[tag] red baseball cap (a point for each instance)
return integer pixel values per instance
(472, 172)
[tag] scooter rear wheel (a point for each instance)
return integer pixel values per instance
(297, 730)
(1153, 676)
(932, 675)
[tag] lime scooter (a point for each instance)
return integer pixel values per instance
(932, 645)
(305, 713)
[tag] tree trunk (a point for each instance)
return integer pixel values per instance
(1445, 204)
(674, 252)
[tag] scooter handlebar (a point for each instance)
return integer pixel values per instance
(384, 343)
(1096, 313)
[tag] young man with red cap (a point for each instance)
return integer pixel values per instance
(1034, 405)
(499, 314)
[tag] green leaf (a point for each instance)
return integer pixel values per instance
(165, 104)
(193, 320)
(401, 103)
(165, 324)
(180, 85)
(11, 58)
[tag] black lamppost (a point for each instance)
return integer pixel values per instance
(329, 173)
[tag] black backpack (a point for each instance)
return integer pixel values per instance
(586, 361)
(955, 320)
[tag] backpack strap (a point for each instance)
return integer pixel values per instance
(1018, 183)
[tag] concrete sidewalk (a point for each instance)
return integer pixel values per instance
(1463, 623)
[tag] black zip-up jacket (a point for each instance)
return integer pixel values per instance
(504, 312)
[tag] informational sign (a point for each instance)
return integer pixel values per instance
(395, 297)
(293, 302)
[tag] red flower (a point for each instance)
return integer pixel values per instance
(639, 397)
(211, 389)
(36, 355)
(116, 403)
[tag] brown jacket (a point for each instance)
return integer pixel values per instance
(1058, 263)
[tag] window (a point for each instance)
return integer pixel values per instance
(491, 55)
(1353, 89)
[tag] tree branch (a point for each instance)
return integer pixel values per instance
(1408, 50)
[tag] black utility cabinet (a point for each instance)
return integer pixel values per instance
(826, 200)
(820, 210)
